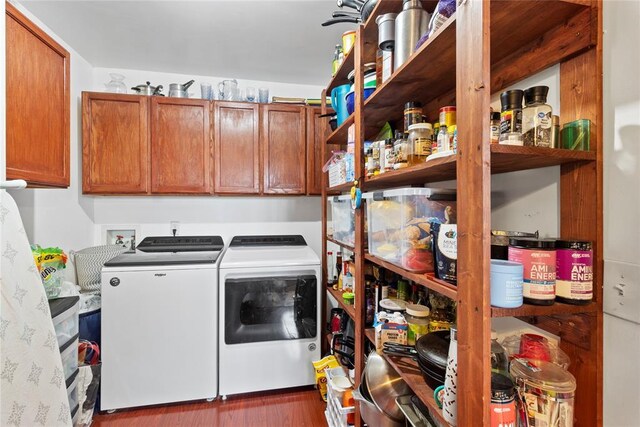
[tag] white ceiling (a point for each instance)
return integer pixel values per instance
(267, 40)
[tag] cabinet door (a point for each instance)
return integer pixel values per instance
(318, 131)
(180, 146)
(115, 143)
(37, 116)
(236, 148)
(282, 134)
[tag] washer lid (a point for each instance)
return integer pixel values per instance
(163, 258)
(269, 256)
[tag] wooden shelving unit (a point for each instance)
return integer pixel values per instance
(348, 308)
(485, 47)
(342, 245)
(339, 136)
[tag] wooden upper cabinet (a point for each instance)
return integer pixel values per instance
(236, 148)
(180, 146)
(37, 102)
(282, 133)
(115, 143)
(318, 131)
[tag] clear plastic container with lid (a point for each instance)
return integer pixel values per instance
(343, 219)
(417, 317)
(548, 390)
(419, 144)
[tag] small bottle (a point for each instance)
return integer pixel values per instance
(336, 60)
(338, 266)
(536, 118)
(412, 114)
(330, 267)
(452, 133)
(381, 156)
(511, 117)
(495, 127)
(389, 156)
(436, 132)
(555, 132)
(369, 162)
(399, 151)
(443, 139)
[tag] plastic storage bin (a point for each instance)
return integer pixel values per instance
(399, 224)
(64, 312)
(336, 414)
(69, 354)
(72, 390)
(343, 219)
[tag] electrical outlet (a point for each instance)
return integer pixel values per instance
(622, 290)
(174, 228)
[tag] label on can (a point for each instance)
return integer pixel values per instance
(539, 276)
(574, 274)
(503, 414)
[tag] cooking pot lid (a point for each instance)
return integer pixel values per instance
(384, 385)
(434, 347)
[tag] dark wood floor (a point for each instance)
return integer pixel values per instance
(301, 407)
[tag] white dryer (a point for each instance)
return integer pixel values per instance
(270, 288)
(159, 323)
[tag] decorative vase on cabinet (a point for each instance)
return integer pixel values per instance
(116, 85)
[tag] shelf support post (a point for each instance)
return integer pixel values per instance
(474, 211)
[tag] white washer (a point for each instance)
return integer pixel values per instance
(159, 323)
(270, 289)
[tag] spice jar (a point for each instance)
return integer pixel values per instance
(436, 132)
(574, 272)
(400, 151)
(388, 155)
(503, 401)
(452, 133)
(419, 142)
(536, 118)
(417, 317)
(511, 117)
(538, 257)
(412, 114)
(495, 127)
(371, 169)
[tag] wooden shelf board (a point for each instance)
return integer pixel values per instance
(339, 136)
(427, 280)
(349, 309)
(504, 158)
(340, 188)
(371, 335)
(541, 310)
(428, 73)
(410, 373)
(441, 169)
(342, 245)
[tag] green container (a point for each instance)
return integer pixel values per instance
(576, 135)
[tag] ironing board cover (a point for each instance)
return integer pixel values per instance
(32, 387)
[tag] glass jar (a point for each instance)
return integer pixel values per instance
(495, 127)
(116, 84)
(412, 114)
(419, 143)
(511, 117)
(536, 118)
(400, 151)
(389, 157)
(417, 317)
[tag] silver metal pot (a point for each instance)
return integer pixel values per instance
(370, 413)
(386, 30)
(384, 385)
(411, 24)
(148, 90)
(177, 90)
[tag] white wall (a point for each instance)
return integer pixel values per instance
(621, 210)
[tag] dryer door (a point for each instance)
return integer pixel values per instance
(272, 307)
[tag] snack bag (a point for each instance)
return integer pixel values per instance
(320, 367)
(50, 263)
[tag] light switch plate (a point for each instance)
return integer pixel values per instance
(622, 290)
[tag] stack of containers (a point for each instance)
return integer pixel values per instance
(65, 315)
(338, 414)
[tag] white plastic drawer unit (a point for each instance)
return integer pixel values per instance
(65, 314)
